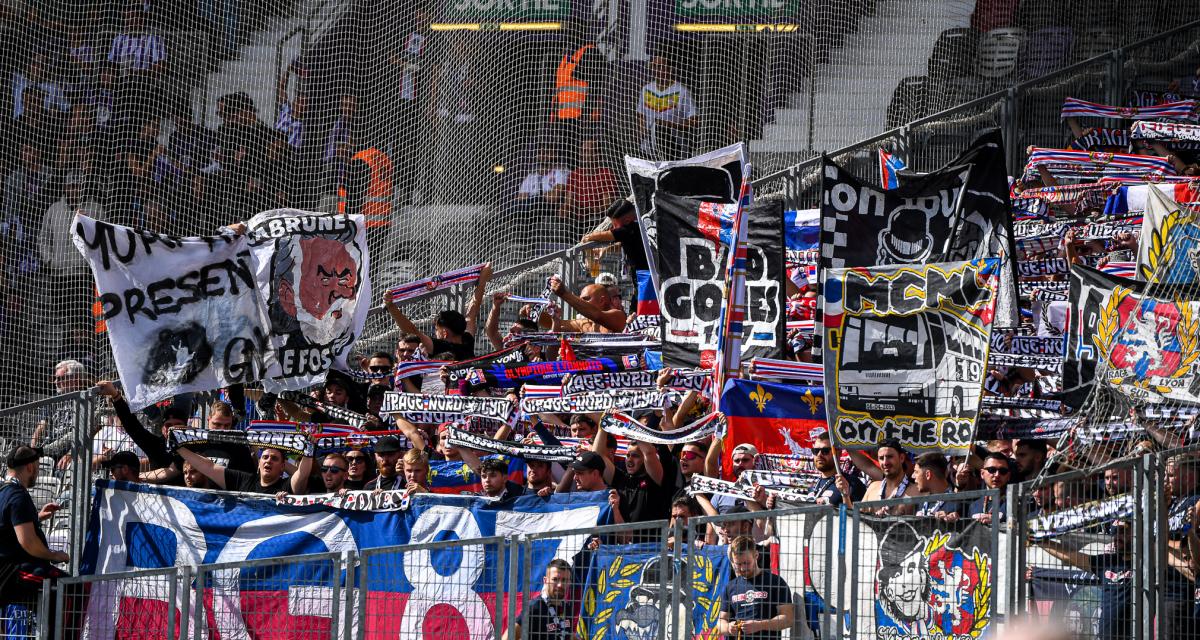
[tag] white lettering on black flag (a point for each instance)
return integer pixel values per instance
(183, 314)
(312, 274)
(906, 349)
(693, 241)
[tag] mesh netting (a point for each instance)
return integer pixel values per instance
(497, 128)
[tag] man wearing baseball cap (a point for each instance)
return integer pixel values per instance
(387, 453)
(123, 465)
(24, 557)
(743, 456)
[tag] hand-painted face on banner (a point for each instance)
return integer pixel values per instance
(328, 276)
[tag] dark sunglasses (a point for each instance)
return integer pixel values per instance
(355, 459)
(332, 469)
(380, 369)
(820, 450)
(1000, 470)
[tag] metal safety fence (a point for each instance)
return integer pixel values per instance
(1102, 550)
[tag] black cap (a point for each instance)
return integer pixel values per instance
(387, 444)
(174, 412)
(619, 207)
(21, 456)
(127, 458)
(589, 460)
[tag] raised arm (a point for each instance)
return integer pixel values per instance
(492, 326)
(299, 479)
(477, 299)
(654, 467)
(406, 326)
(215, 472)
(611, 319)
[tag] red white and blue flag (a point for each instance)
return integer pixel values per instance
(889, 168)
(733, 312)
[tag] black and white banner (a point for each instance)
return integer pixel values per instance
(295, 443)
(1092, 322)
(548, 453)
(959, 212)
(1044, 363)
(693, 244)
(1004, 342)
(1149, 130)
(1104, 511)
(598, 401)
(1018, 403)
(417, 403)
(622, 425)
(352, 418)
(714, 176)
(906, 350)
(745, 490)
(280, 306)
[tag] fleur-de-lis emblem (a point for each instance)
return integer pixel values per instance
(761, 397)
(813, 401)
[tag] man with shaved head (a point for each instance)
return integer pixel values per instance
(599, 310)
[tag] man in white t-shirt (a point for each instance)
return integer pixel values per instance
(546, 182)
(667, 113)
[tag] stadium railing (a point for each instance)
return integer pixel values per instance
(833, 559)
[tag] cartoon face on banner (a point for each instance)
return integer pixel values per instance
(1151, 345)
(925, 588)
(316, 281)
(312, 272)
(623, 595)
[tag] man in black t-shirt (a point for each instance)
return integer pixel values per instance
(494, 482)
(22, 542)
(268, 479)
(756, 605)
(830, 487)
(549, 616)
(643, 497)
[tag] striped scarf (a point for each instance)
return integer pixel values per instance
(295, 443)
(620, 424)
(549, 453)
(326, 443)
(1076, 108)
(416, 368)
(787, 369)
(595, 402)
(435, 283)
(1066, 163)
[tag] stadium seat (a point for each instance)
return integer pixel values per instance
(908, 101)
(999, 50)
(954, 54)
(1046, 51)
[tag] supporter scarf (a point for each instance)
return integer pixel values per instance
(681, 379)
(359, 374)
(1091, 230)
(1056, 523)
(435, 283)
(994, 427)
(643, 323)
(281, 426)
(508, 376)
(392, 500)
(595, 402)
(1065, 193)
(1082, 164)
(324, 444)
(417, 403)
(541, 391)
(1076, 108)
(1101, 137)
(296, 443)
(1049, 295)
(458, 371)
(548, 453)
(1045, 363)
(417, 368)
(620, 424)
(787, 369)
(1026, 345)
(1165, 131)
(787, 463)
(352, 418)
(1043, 267)
(704, 484)
(1028, 288)
(1010, 402)
(577, 340)
(806, 479)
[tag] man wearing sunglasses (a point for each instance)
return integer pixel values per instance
(997, 471)
(334, 472)
(381, 363)
(357, 469)
(832, 487)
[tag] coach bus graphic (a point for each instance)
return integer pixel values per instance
(926, 365)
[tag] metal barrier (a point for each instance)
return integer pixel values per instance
(1071, 543)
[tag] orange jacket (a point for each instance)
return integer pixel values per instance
(570, 92)
(377, 203)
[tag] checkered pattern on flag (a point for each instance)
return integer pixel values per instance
(733, 311)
